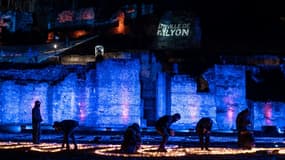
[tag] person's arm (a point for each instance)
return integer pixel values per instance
(138, 139)
(40, 116)
(210, 126)
(37, 115)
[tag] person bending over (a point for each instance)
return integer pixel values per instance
(67, 127)
(162, 126)
(203, 130)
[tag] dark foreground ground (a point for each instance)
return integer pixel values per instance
(89, 155)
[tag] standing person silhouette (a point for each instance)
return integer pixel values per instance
(162, 126)
(67, 127)
(36, 122)
(203, 129)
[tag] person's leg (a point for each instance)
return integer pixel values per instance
(73, 140)
(63, 142)
(131, 149)
(66, 141)
(207, 141)
(201, 141)
(165, 136)
(164, 140)
(249, 140)
(239, 139)
(39, 133)
(36, 133)
(242, 140)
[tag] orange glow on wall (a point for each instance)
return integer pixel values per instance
(121, 26)
(50, 37)
(131, 10)
(79, 33)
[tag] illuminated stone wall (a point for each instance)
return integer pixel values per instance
(192, 105)
(222, 103)
(107, 95)
(269, 113)
(17, 101)
(118, 93)
(230, 94)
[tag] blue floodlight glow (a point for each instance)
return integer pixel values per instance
(109, 96)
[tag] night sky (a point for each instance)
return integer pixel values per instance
(247, 25)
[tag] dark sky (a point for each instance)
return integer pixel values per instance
(243, 23)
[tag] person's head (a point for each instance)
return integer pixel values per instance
(37, 103)
(246, 111)
(176, 117)
(136, 126)
(56, 126)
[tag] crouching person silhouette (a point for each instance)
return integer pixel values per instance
(67, 127)
(132, 139)
(245, 136)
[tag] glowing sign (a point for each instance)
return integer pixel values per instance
(174, 30)
(177, 30)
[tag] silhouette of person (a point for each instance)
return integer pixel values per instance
(68, 128)
(132, 139)
(203, 129)
(162, 126)
(36, 122)
(245, 137)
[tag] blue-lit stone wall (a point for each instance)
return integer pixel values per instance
(268, 114)
(161, 105)
(222, 103)
(17, 101)
(230, 94)
(192, 105)
(107, 95)
(118, 93)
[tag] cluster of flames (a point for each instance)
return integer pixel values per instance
(176, 151)
(144, 151)
(43, 147)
